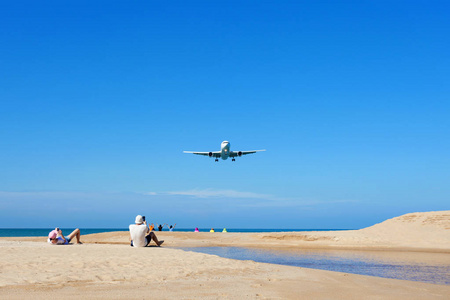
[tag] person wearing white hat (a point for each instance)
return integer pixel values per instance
(140, 234)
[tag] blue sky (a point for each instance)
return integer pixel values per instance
(98, 101)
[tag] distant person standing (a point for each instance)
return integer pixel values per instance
(140, 234)
(161, 226)
(172, 227)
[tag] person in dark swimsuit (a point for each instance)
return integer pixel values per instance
(161, 226)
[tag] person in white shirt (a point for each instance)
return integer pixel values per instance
(140, 234)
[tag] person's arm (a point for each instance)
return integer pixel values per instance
(174, 225)
(148, 228)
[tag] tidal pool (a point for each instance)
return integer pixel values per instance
(415, 266)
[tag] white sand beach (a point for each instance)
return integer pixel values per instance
(106, 266)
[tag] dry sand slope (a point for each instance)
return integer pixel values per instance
(30, 267)
(428, 231)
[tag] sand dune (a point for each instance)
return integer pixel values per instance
(422, 230)
(105, 266)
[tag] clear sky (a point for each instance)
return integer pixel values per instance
(100, 98)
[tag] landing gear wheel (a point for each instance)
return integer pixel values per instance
(216, 160)
(233, 159)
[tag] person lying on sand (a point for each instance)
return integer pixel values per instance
(56, 237)
(140, 234)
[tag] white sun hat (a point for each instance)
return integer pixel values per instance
(139, 219)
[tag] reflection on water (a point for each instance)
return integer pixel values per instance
(416, 266)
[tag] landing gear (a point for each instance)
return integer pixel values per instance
(216, 160)
(233, 159)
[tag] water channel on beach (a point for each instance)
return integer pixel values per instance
(415, 266)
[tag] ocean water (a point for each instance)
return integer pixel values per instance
(414, 266)
(10, 232)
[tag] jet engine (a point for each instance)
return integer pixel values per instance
(210, 154)
(240, 153)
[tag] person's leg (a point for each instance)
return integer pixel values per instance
(152, 235)
(147, 239)
(75, 233)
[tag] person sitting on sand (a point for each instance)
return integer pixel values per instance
(140, 234)
(56, 237)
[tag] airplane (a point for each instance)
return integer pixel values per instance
(224, 152)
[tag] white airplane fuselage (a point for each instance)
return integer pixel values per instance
(225, 150)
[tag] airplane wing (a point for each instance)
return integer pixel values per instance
(210, 154)
(240, 153)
